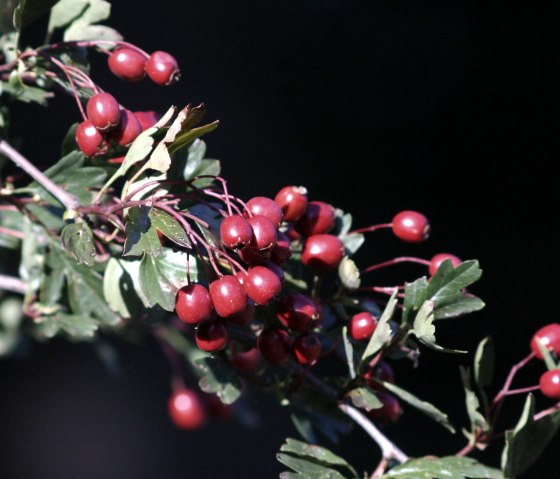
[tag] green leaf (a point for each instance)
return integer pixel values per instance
(29, 10)
(425, 407)
(53, 281)
(25, 93)
(141, 235)
(484, 362)
(462, 305)
(162, 276)
(219, 378)
(78, 327)
(382, 333)
(449, 467)
(414, 297)
(65, 12)
(12, 220)
(473, 404)
(184, 139)
(349, 274)
(77, 239)
(363, 398)
(32, 255)
(196, 165)
(79, 31)
(169, 227)
(118, 288)
(447, 283)
(349, 352)
(308, 469)
(528, 440)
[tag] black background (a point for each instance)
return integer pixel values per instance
(449, 108)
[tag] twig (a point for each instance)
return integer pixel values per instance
(12, 284)
(66, 199)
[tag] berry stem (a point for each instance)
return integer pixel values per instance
(64, 69)
(370, 229)
(546, 412)
(401, 259)
(12, 284)
(11, 232)
(66, 199)
(512, 392)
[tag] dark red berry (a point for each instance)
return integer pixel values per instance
(127, 64)
(262, 285)
(389, 412)
(277, 270)
(193, 304)
(212, 335)
(382, 372)
(411, 226)
(322, 252)
(246, 361)
(307, 348)
(282, 251)
(274, 345)
(261, 205)
(298, 312)
(362, 326)
(235, 232)
(293, 202)
(147, 119)
(244, 317)
(436, 261)
(103, 111)
(550, 384)
(88, 138)
(319, 218)
(228, 296)
(162, 68)
(549, 337)
(292, 233)
(127, 130)
(186, 409)
(264, 233)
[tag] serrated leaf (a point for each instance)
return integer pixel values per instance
(170, 227)
(527, 441)
(77, 239)
(423, 406)
(448, 281)
(78, 327)
(219, 378)
(119, 290)
(450, 467)
(141, 235)
(29, 10)
(473, 404)
(349, 274)
(309, 469)
(382, 333)
(462, 305)
(484, 362)
(184, 139)
(26, 93)
(363, 398)
(414, 297)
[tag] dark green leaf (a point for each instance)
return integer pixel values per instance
(349, 352)
(12, 220)
(309, 469)
(26, 93)
(79, 327)
(450, 467)
(473, 404)
(53, 282)
(80, 183)
(527, 441)
(77, 239)
(169, 227)
(219, 378)
(29, 10)
(462, 305)
(414, 297)
(69, 142)
(349, 274)
(363, 398)
(196, 165)
(141, 235)
(484, 362)
(189, 136)
(425, 407)
(382, 333)
(448, 281)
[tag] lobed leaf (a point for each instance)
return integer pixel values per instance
(141, 235)
(169, 227)
(449, 467)
(77, 239)
(76, 326)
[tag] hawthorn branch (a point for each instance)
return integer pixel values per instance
(65, 198)
(12, 284)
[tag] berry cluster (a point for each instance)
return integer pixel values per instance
(547, 340)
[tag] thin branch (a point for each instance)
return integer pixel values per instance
(12, 284)
(66, 199)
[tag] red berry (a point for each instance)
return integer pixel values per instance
(307, 348)
(292, 233)
(549, 337)
(103, 111)
(261, 205)
(244, 317)
(127, 130)
(282, 251)
(228, 296)
(411, 226)
(550, 384)
(127, 64)
(362, 326)
(264, 233)
(436, 261)
(88, 138)
(382, 372)
(389, 412)
(246, 361)
(162, 68)
(322, 252)
(277, 270)
(262, 285)
(186, 409)
(293, 201)
(147, 119)
(298, 312)
(235, 232)
(212, 335)
(193, 304)
(274, 345)
(319, 218)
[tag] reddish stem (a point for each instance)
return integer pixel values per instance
(401, 259)
(372, 228)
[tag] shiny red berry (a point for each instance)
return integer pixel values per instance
(307, 348)
(212, 336)
(411, 226)
(246, 361)
(261, 205)
(436, 261)
(147, 119)
(362, 326)
(550, 384)
(127, 64)
(322, 252)
(228, 296)
(262, 284)
(186, 409)
(549, 337)
(103, 111)
(319, 218)
(193, 304)
(162, 68)
(293, 202)
(274, 345)
(389, 412)
(264, 233)
(282, 251)
(88, 138)
(298, 312)
(127, 130)
(235, 232)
